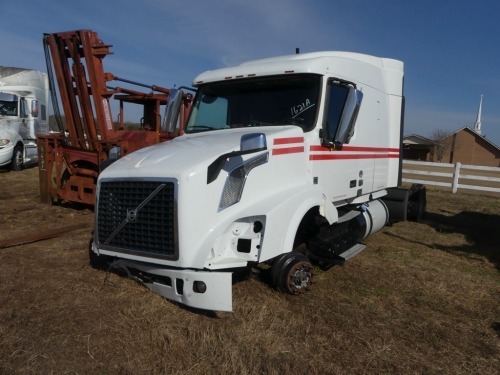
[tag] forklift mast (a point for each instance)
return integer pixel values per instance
(71, 158)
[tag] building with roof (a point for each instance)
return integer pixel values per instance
(416, 147)
(467, 147)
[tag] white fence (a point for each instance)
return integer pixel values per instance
(455, 176)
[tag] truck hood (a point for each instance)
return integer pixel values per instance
(9, 128)
(188, 152)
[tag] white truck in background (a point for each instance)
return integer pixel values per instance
(285, 162)
(24, 96)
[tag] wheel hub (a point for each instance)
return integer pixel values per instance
(299, 278)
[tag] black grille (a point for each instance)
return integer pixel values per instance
(138, 217)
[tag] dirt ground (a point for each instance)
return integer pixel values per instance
(423, 298)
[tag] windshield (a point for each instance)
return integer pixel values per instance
(270, 101)
(8, 108)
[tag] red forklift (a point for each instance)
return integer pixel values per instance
(87, 139)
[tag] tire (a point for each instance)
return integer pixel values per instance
(292, 273)
(422, 205)
(276, 269)
(17, 159)
(417, 203)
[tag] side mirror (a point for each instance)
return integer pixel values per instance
(349, 116)
(34, 108)
(249, 143)
(253, 142)
(343, 104)
(171, 119)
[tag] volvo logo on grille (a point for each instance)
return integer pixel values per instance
(131, 215)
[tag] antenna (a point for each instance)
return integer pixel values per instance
(477, 125)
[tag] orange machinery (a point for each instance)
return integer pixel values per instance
(71, 158)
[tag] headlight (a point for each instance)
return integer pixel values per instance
(4, 142)
(235, 182)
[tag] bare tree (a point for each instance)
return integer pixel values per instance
(442, 143)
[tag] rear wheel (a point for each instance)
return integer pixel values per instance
(17, 159)
(292, 273)
(417, 202)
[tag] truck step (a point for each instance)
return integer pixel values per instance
(359, 247)
(338, 258)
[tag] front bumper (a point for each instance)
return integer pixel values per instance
(182, 285)
(6, 155)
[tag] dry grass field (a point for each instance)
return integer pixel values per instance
(423, 298)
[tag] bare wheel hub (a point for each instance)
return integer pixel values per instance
(299, 277)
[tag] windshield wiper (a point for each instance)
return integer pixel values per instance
(199, 129)
(253, 123)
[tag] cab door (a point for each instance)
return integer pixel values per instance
(336, 164)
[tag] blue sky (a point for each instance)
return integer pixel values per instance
(451, 49)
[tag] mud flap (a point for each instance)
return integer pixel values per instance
(396, 201)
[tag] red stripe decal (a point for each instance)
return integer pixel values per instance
(288, 150)
(354, 148)
(285, 141)
(342, 156)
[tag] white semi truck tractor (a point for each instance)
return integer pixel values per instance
(24, 95)
(285, 162)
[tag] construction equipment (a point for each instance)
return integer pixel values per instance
(87, 139)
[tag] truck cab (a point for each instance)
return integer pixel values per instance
(23, 115)
(284, 162)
